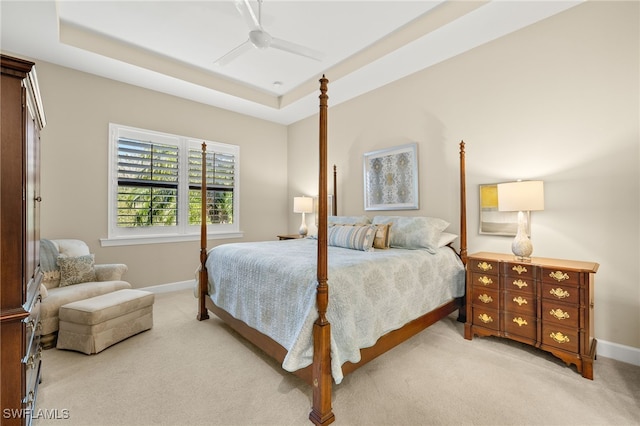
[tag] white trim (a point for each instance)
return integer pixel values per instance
(619, 352)
(170, 287)
(158, 239)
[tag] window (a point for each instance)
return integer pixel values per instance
(155, 187)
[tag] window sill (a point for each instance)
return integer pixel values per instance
(161, 239)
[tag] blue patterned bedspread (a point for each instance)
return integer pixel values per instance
(271, 286)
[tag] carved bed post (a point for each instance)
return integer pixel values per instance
(463, 206)
(321, 413)
(203, 313)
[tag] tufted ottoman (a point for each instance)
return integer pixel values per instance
(94, 324)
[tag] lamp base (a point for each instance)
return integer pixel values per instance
(522, 259)
(521, 246)
(303, 227)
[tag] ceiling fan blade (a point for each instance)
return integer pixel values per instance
(247, 13)
(233, 54)
(296, 49)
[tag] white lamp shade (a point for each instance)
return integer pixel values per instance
(302, 205)
(522, 196)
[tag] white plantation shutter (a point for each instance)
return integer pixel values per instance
(147, 183)
(220, 186)
(155, 186)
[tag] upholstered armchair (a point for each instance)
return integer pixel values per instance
(70, 274)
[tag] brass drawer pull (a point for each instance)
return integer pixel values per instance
(485, 298)
(520, 321)
(559, 276)
(559, 337)
(485, 318)
(484, 280)
(520, 284)
(519, 269)
(520, 300)
(30, 324)
(31, 361)
(559, 314)
(29, 399)
(559, 293)
(485, 266)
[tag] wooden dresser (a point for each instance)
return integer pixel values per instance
(20, 275)
(547, 303)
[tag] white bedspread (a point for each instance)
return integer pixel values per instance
(271, 286)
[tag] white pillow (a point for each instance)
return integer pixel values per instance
(446, 238)
(414, 232)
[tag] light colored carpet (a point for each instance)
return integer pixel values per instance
(186, 372)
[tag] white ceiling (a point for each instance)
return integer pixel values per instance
(172, 46)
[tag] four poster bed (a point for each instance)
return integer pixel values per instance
(276, 293)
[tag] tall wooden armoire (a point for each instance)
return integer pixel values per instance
(20, 275)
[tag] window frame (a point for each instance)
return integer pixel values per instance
(182, 231)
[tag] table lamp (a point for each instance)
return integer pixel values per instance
(521, 196)
(303, 205)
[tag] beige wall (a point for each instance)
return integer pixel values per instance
(557, 101)
(79, 108)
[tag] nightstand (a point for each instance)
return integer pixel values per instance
(290, 237)
(546, 303)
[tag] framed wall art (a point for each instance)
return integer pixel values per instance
(494, 222)
(391, 178)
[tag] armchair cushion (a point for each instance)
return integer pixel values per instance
(110, 271)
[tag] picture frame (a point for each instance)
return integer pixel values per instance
(391, 178)
(493, 221)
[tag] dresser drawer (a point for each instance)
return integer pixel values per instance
(560, 337)
(561, 292)
(519, 270)
(560, 276)
(560, 314)
(523, 284)
(524, 303)
(485, 281)
(484, 266)
(487, 298)
(520, 324)
(484, 317)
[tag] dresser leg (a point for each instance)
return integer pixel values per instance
(467, 331)
(587, 361)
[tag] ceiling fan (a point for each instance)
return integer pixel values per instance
(260, 39)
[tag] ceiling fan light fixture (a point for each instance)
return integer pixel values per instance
(260, 39)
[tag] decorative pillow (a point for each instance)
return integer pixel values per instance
(75, 270)
(354, 237)
(414, 232)
(446, 238)
(381, 240)
(348, 220)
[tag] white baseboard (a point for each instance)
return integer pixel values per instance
(166, 288)
(622, 353)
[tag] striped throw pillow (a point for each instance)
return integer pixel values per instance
(354, 237)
